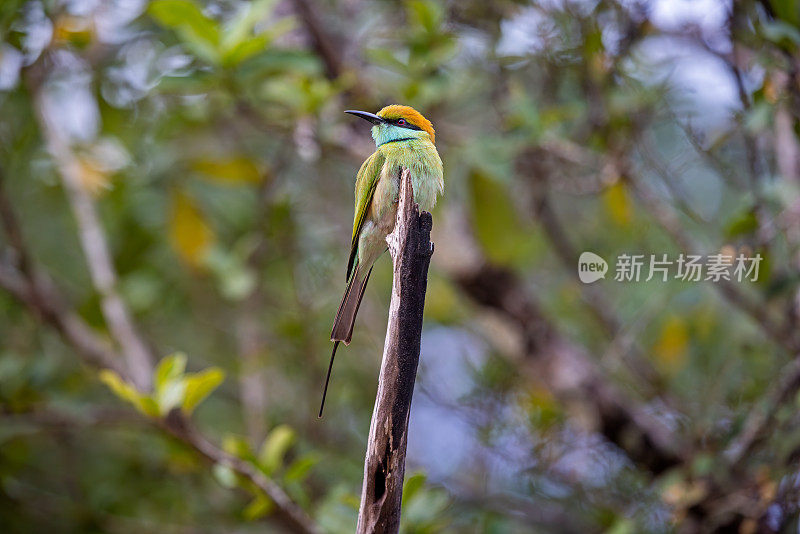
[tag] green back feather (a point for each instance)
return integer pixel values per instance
(366, 181)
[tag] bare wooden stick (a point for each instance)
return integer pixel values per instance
(384, 464)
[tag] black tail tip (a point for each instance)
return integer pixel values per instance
(327, 379)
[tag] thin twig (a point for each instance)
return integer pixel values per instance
(294, 516)
(54, 418)
(668, 178)
(758, 420)
(138, 356)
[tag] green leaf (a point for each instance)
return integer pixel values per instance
(127, 392)
(237, 446)
(198, 31)
(702, 465)
(147, 405)
(426, 14)
(231, 171)
(505, 237)
(119, 387)
(236, 279)
(200, 385)
(743, 224)
(258, 507)
(412, 486)
(170, 395)
(350, 500)
(781, 33)
(259, 43)
(238, 284)
(170, 368)
(274, 448)
(386, 58)
(758, 118)
(299, 469)
(425, 507)
(787, 10)
(238, 29)
(237, 42)
(224, 475)
(622, 526)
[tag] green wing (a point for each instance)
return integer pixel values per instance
(366, 181)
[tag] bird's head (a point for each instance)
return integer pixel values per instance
(396, 122)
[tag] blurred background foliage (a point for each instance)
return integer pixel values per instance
(203, 144)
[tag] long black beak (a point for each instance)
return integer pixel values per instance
(371, 117)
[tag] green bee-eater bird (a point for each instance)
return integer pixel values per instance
(404, 139)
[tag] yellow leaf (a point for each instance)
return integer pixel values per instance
(232, 171)
(125, 391)
(618, 204)
(542, 407)
(96, 164)
(682, 493)
(237, 446)
(93, 178)
(170, 368)
(200, 385)
(69, 29)
(270, 457)
(117, 385)
(260, 506)
(771, 90)
(190, 234)
(670, 350)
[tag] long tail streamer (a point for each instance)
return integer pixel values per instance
(328, 378)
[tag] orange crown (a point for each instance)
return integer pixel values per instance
(411, 115)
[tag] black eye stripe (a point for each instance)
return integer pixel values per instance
(406, 125)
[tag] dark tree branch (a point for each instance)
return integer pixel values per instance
(384, 465)
(325, 46)
(570, 373)
(40, 296)
(20, 278)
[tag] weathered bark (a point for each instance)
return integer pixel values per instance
(384, 465)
